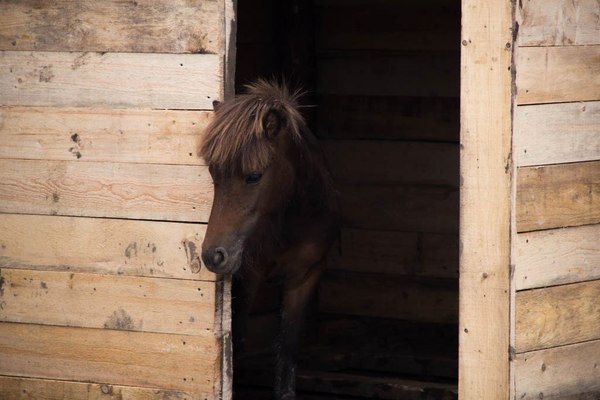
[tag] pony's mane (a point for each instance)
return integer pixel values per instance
(237, 139)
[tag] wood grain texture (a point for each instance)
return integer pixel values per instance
(555, 196)
(119, 80)
(557, 316)
(558, 22)
(386, 296)
(103, 246)
(567, 372)
(388, 117)
(557, 256)
(383, 162)
(485, 199)
(557, 133)
(399, 253)
(154, 360)
(431, 74)
(113, 26)
(558, 74)
(137, 191)
(12, 388)
(113, 135)
(108, 302)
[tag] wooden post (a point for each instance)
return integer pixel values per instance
(485, 204)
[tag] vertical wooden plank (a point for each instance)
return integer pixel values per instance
(485, 206)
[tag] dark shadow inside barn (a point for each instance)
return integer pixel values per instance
(384, 78)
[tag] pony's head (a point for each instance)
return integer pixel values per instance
(250, 149)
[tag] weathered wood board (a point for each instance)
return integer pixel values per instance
(177, 362)
(557, 316)
(558, 74)
(12, 388)
(566, 372)
(557, 133)
(165, 26)
(107, 301)
(109, 135)
(558, 22)
(555, 196)
(136, 191)
(103, 246)
(557, 256)
(119, 80)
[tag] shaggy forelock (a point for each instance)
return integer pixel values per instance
(237, 139)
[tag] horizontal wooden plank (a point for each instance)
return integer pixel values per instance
(388, 25)
(113, 26)
(400, 253)
(155, 360)
(103, 246)
(558, 74)
(137, 191)
(388, 117)
(385, 162)
(108, 301)
(386, 296)
(557, 133)
(12, 388)
(119, 80)
(115, 135)
(557, 316)
(557, 256)
(558, 195)
(432, 74)
(567, 372)
(558, 22)
(413, 208)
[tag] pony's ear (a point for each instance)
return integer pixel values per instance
(272, 123)
(216, 104)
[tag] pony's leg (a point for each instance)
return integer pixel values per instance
(244, 290)
(293, 314)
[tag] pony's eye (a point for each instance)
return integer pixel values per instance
(253, 177)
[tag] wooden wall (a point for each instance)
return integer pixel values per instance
(557, 245)
(102, 199)
(388, 118)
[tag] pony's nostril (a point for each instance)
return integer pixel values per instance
(219, 257)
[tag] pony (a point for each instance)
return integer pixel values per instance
(275, 211)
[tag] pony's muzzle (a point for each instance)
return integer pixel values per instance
(215, 259)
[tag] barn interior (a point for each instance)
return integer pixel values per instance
(383, 77)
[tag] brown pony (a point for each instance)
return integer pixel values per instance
(275, 212)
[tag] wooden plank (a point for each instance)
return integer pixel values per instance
(388, 117)
(107, 301)
(388, 25)
(400, 253)
(142, 26)
(137, 191)
(139, 136)
(12, 388)
(416, 208)
(567, 372)
(103, 246)
(558, 22)
(384, 162)
(554, 196)
(154, 360)
(557, 256)
(558, 74)
(557, 133)
(119, 80)
(557, 316)
(386, 296)
(486, 175)
(432, 74)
